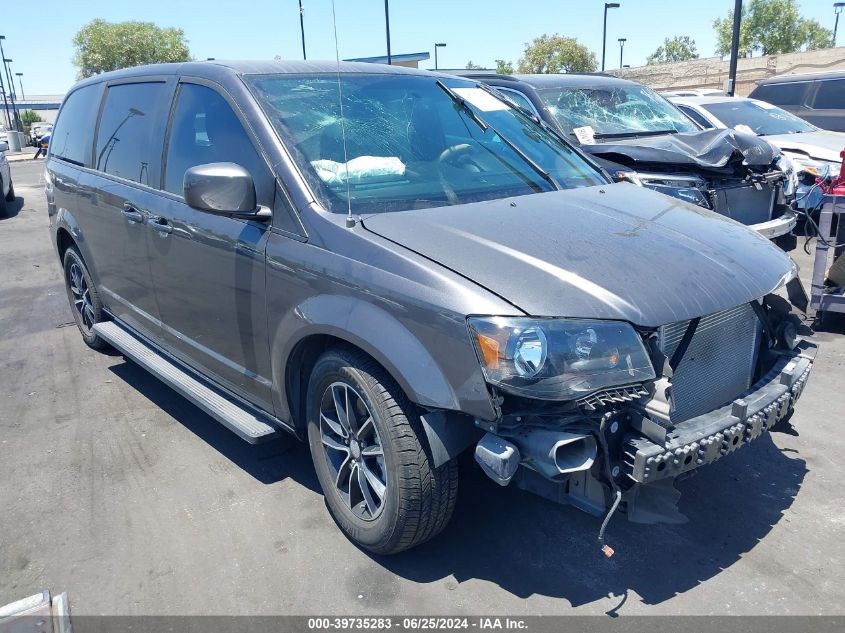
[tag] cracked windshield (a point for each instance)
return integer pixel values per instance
(413, 142)
(615, 112)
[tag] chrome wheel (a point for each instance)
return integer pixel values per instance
(353, 450)
(81, 296)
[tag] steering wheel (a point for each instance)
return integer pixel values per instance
(449, 155)
(455, 151)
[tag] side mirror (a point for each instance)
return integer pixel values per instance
(223, 189)
(4, 146)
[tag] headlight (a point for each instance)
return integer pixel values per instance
(788, 168)
(815, 167)
(684, 187)
(558, 359)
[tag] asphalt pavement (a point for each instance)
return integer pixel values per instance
(117, 490)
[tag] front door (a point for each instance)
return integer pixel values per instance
(208, 270)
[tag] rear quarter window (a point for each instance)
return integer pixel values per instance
(74, 130)
(830, 95)
(788, 94)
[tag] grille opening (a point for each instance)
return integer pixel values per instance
(718, 364)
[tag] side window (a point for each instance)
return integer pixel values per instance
(129, 137)
(518, 98)
(788, 94)
(74, 130)
(206, 130)
(695, 117)
(830, 95)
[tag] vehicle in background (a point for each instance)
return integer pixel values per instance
(7, 188)
(37, 130)
(815, 97)
(812, 151)
(693, 92)
(639, 137)
(399, 266)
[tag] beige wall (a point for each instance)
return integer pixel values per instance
(711, 72)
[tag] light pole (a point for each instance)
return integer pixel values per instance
(607, 5)
(837, 8)
(734, 48)
(302, 29)
(20, 81)
(622, 41)
(387, 29)
(5, 102)
(436, 46)
(10, 84)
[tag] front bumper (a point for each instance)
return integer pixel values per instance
(709, 437)
(777, 227)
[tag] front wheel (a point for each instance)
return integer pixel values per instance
(372, 457)
(10, 197)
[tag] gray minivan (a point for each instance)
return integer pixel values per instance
(399, 267)
(815, 97)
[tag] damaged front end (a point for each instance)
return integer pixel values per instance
(736, 175)
(719, 382)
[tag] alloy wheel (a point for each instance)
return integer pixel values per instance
(81, 296)
(353, 450)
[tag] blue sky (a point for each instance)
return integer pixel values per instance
(475, 30)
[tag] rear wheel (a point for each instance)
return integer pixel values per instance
(372, 457)
(10, 197)
(84, 299)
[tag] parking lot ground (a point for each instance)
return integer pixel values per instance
(115, 489)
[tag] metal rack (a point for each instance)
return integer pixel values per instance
(821, 299)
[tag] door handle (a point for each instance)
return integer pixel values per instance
(132, 214)
(161, 225)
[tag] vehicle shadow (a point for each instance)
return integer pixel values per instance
(13, 208)
(527, 545)
(268, 462)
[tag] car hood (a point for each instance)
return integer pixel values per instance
(615, 252)
(821, 144)
(708, 149)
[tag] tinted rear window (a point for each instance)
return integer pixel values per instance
(74, 130)
(130, 136)
(830, 95)
(791, 94)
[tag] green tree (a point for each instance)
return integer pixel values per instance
(471, 66)
(102, 46)
(771, 27)
(676, 49)
(554, 54)
(503, 67)
(28, 117)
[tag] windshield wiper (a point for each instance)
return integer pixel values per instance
(484, 125)
(463, 105)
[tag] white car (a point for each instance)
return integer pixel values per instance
(7, 189)
(809, 148)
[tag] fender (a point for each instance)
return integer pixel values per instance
(66, 220)
(382, 336)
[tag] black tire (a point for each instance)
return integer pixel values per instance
(85, 316)
(10, 197)
(4, 206)
(418, 500)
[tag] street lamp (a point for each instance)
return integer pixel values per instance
(622, 41)
(387, 29)
(436, 46)
(20, 81)
(302, 28)
(837, 8)
(607, 5)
